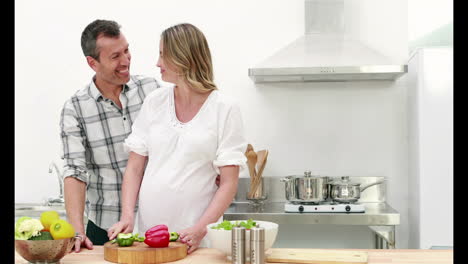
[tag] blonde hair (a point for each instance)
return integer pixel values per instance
(186, 48)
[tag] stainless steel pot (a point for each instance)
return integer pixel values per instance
(345, 191)
(306, 189)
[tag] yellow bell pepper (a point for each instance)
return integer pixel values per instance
(61, 229)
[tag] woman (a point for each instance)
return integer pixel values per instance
(187, 135)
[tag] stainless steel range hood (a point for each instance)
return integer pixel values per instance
(324, 53)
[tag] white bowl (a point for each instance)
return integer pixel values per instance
(221, 239)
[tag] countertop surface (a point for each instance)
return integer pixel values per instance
(214, 256)
(375, 214)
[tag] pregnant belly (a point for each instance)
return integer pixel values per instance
(177, 210)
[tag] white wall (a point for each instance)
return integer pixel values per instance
(334, 129)
(381, 24)
(50, 66)
(427, 15)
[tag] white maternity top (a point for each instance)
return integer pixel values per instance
(183, 158)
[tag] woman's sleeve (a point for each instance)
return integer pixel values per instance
(231, 141)
(137, 141)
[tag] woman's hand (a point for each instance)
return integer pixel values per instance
(192, 236)
(125, 225)
(130, 188)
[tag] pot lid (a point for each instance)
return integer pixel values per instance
(307, 173)
(344, 181)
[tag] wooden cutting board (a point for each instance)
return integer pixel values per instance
(139, 252)
(316, 256)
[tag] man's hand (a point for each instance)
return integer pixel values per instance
(80, 241)
(75, 193)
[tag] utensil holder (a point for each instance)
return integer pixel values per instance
(257, 196)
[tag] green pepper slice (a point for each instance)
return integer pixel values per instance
(125, 240)
(138, 238)
(173, 236)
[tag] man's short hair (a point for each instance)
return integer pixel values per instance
(97, 28)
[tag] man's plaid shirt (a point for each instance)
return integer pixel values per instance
(93, 130)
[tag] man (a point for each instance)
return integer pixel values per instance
(94, 124)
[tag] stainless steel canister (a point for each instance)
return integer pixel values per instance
(257, 245)
(238, 245)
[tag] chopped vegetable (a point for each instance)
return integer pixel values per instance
(228, 225)
(135, 237)
(125, 240)
(138, 238)
(173, 236)
(249, 224)
(26, 227)
(157, 236)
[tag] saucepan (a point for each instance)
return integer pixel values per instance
(306, 188)
(345, 191)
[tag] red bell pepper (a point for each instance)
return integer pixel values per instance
(157, 236)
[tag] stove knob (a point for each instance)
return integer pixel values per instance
(301, 208)
(348, 208)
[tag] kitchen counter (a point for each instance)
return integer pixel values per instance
(214, 256)
(379, 214)
(380, 217)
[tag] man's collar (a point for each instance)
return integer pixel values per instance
(97, 95)
(94, 91)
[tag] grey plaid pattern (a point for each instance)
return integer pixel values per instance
(93, 130)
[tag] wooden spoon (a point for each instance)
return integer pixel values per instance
(255, 185)
(261, 154)
(248, 149)
(251, 161)
(258, 183)
(261, 162)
